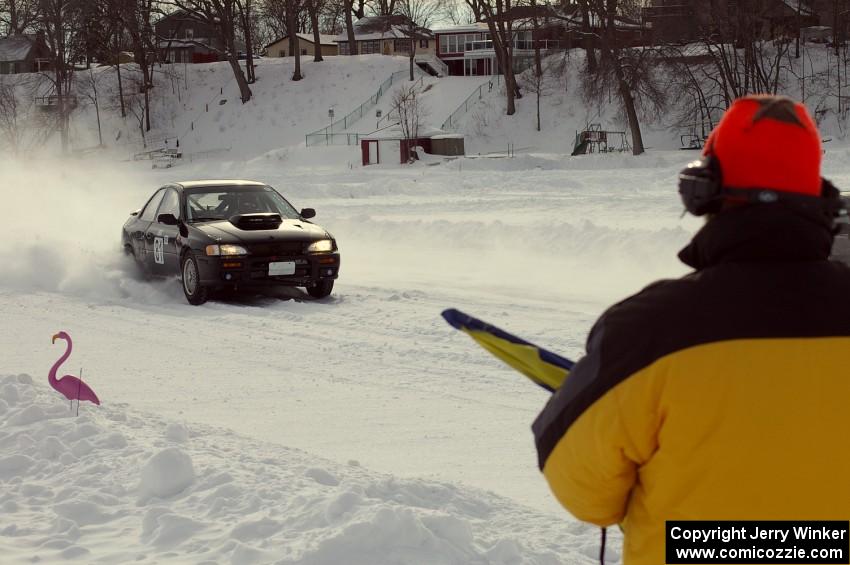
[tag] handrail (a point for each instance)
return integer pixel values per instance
(435, 62)
(451, 121)
(343, 123)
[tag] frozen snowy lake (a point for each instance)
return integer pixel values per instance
(372, 376)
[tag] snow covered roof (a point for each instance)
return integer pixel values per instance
(383, 27)
(395, 132)
(323, 39)
(16, 47)
(308, 37)
(394, 32)
(805, 8)
(468, 28)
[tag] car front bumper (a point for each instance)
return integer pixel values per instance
(309, 270)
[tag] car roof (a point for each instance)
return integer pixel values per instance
(219, 182)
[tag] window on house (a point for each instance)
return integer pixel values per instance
(444, 44)
(423, 43)
(343, 47)
(303, 51)
(371, 46)
(402, 46)
(189, 33)
(281, 53)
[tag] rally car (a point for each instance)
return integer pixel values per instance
(230, 234)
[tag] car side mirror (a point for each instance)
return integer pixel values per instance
(167, 219)
(136, 213)
(307, 213)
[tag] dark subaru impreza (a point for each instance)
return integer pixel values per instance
(230, 234)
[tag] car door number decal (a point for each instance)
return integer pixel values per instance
(158, 256)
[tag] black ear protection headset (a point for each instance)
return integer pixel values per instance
(702, 192)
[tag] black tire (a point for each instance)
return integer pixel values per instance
(321, 289)
(196, 294)
(137, 270)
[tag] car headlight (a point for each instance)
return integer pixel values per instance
(321, 246)
(226, 250)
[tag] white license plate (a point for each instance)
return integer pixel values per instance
(281, 268)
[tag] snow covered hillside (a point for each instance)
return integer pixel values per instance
(200, 105)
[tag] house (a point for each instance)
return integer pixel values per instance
(468, 50)
(184, 39)
(681, 21)
(306, 45)
(388, 35)
(25, 53)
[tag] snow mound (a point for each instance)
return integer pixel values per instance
(167, 474)
(66, 484)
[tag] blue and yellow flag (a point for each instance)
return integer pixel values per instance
(545, 368)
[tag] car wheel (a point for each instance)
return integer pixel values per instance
(321, 289)
(195, 292)
(138, 268)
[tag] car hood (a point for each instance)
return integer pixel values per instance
(289, 230)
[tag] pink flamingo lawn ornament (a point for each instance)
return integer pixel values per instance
(72, 387)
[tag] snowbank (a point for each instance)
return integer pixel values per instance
(112, 485)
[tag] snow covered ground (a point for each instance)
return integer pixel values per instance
(116, 486)
(277, 429)
(281, 395)
(537, 244)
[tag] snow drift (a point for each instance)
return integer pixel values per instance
(113, 485)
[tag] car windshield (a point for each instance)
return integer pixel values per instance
(223, 202)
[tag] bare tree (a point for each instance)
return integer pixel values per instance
(274, 13)
(474, 7)
(114, 40)
(314, 7)
(587, 36)
(136, 107)
(411, 112)
(60, 20)
(349, 27)
(293, 8)
(625, 68)
(89, 91)
(137, 16)
(11, 118)
(17, 16)
(457, 12)
(535, 34)
(419, 14)
(749, 60)
(534, 80)
(332, 18)
(246, 9)
(499, 19)
(223, 17)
